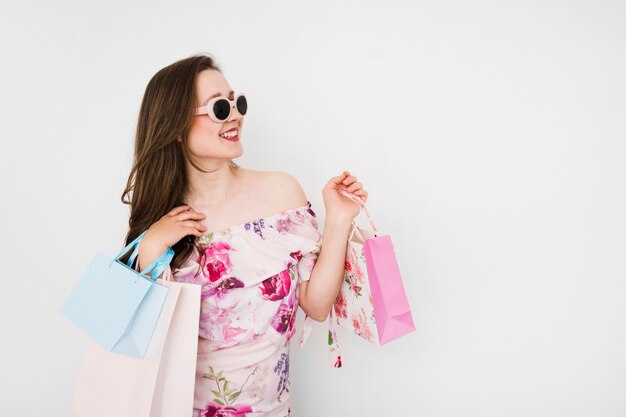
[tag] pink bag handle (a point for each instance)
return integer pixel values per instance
(361, 205)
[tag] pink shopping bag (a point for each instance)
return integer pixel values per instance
(372, 302)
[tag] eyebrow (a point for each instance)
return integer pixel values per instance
(215, 95)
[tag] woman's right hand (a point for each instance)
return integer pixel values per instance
(167, 231)
(173, 226)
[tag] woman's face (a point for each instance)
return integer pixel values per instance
(205, 140)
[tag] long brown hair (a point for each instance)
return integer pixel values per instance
(158, 178)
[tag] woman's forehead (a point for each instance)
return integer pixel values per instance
(211, 83)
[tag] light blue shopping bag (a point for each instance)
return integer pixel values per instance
(117, 306)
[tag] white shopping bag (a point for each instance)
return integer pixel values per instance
(174, 391)
(162, 383)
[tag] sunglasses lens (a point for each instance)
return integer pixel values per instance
(221, 109)
(242, 105)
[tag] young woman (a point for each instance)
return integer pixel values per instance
(249, 238)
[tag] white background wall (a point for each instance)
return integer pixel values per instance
(489, 134)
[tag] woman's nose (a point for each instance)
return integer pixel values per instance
(234, 114)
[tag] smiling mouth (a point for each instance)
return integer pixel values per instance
(232, 134)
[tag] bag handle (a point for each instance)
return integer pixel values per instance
(362, 207)
(123, 251)
(158, 265)
(131, 260)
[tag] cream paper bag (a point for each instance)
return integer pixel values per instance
(159, 385)
(174, 391)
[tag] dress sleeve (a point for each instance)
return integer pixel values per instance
(190, 270)
(308, 230)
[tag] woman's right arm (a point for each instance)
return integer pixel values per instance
(148, 253)
(166, 232)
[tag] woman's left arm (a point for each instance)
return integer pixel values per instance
(318, 294)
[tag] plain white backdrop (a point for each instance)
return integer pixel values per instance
(490, 136)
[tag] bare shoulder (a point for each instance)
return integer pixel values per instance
(285, 190)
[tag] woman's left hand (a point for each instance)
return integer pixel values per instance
(338, 205)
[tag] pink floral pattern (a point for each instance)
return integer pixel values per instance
(277, 286)
(285, 319)
(353, 307)
(224, 286)
(249, 275)
(361, 325)
(216, 410)
(215, 261)
(225, 397)
(340, 306)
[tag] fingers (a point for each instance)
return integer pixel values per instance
(350, 179)
(190, 215)
(345, 178)
(350, 183)
(190, 220)
(354, 187)
(195, 228)
(179, 209)
(338, 180)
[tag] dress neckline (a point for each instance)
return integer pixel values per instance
(242, 226)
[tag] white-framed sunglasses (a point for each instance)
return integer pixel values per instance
(219, 108)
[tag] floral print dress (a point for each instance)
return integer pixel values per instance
(249, 276)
